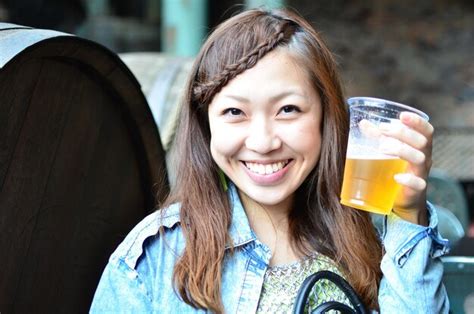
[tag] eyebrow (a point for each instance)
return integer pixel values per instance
(276, 97)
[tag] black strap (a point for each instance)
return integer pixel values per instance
(333, 305)
(308, 283)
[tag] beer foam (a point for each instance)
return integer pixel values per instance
(358, 151)
(378, 156)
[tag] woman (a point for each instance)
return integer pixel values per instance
(261, 145)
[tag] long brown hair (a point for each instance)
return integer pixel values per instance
(319, 222)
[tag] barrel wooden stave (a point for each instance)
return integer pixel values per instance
(163, 79)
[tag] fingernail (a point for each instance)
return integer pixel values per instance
(405, 117)
(420, 157)
(402, 178)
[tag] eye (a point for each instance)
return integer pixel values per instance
(232, 112)
(290, 109)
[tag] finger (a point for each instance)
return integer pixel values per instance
(394, 147)
(417, 123)
(369, 129)
(411, 181)
(404, 134)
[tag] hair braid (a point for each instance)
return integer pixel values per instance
(203, 92)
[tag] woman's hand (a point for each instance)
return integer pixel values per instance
(411, 140)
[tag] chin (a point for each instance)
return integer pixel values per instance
(267, 198)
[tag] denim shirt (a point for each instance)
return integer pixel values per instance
(138, 276)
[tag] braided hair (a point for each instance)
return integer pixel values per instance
(206, 89)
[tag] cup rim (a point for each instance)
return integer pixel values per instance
(409, 108)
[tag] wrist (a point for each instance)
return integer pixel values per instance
(414, 215)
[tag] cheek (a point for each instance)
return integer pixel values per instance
(306, 140)
(224, 143)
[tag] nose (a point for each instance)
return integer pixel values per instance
(262, 137)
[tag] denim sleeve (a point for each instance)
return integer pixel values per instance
(120, 290)
(412, 268)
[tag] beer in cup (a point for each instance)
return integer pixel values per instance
(369, 182)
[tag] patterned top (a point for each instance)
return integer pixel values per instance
(282, 283)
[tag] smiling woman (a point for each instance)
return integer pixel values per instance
(255, 210)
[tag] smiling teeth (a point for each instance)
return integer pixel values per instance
(266, 169)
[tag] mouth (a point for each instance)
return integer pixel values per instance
(267, 168)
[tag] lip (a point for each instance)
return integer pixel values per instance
(267, 179)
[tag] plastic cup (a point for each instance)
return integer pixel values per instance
(369, 182)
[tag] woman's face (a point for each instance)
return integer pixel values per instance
(265, 129)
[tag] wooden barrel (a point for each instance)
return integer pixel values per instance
(80, 164)
(163, 79)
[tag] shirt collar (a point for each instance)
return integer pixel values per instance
(240, 231)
